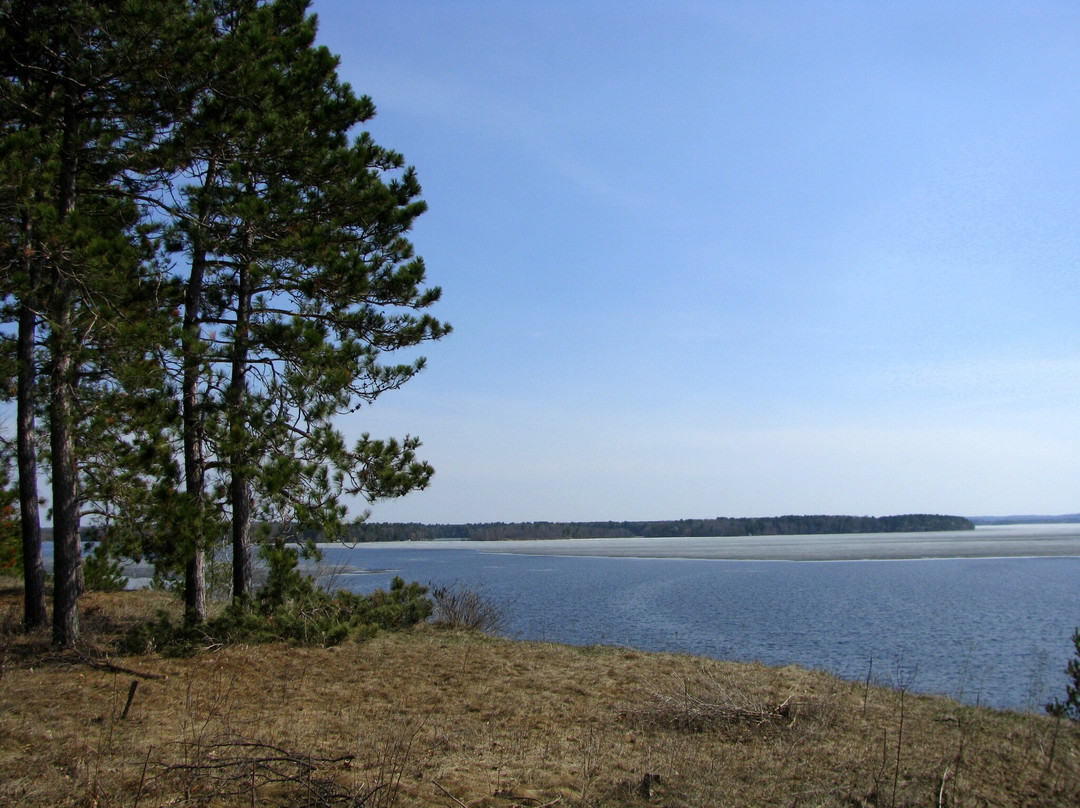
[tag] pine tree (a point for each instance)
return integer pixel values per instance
(86, 92)
(1070, 707)
(207, 267)
(23, 281)
(295, 246)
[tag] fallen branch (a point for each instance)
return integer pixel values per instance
(702, 704)
(447, 793)
(130, 698)
(235, 768)
(112, 667)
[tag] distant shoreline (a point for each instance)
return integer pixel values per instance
(721, 526)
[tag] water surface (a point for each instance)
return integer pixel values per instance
(991, 624)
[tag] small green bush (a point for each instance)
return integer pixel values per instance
(11, 557)
(290, 607)
(102, 572)
(11, 554)
(162, 636)
(1070, 708)
(309, 616)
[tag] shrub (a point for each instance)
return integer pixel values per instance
(11, 557)
(102, 572)
(298, 611)
(464, 607)
(162, 636)
(290, 607)
(1070, 708)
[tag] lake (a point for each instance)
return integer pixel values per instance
(985, 616)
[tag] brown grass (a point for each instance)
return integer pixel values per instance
(442, 718)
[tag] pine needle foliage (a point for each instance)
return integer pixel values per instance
(290, 607)
(1070, 707)
(207, 263)
(102, 571)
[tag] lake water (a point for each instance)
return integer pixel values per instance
(985, 616)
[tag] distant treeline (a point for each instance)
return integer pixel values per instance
(721, 526)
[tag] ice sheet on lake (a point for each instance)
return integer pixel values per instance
(997, 541)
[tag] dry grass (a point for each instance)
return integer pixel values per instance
(442, 718)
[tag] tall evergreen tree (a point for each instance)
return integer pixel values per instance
(295, 243)
(22, 274)
(182, 189)
(86, 89)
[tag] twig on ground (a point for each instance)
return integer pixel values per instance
(438, 785)
(112, 667)
(712, 703)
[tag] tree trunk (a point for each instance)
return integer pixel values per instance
(65, 483)
(239, 486)
(34, 614)
(194, 469)
(195, 587)
(194, 461)
(194, 455)
(240, 491)
(65, 487)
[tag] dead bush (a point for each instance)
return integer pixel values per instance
(461, 606)
(706, 703)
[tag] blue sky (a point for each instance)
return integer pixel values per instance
(735, 258)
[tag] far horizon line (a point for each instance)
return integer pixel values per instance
(986, 519)
(1014, 518)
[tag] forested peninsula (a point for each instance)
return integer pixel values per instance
(720, 526)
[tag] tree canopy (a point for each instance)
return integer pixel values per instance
(206, 262)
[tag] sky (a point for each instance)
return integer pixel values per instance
(734, 258)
